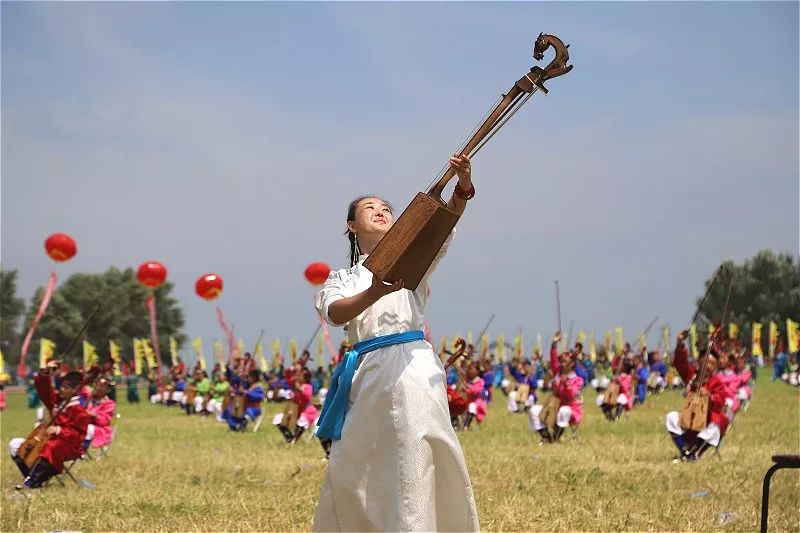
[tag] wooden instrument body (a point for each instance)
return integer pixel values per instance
(411, 244)
(547, 415)
(290, 415)
(611, 394)
(226, 402)
(652, 380)
(523, 391)
(32, 447)
(238, 406)
(190, 394)
(694, 413)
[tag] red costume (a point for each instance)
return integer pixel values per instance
(72, 421)
(715, 387)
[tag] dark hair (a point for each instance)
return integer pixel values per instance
(72, 379)
(355, 251)
(255, 374)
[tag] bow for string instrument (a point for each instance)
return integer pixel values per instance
(409, 247)
(694, 412)
(30, 450)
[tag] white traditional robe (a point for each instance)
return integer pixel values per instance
(398, 465)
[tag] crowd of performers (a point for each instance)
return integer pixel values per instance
(551, 393)
(234, 394)
(79, 407)
(76, 418)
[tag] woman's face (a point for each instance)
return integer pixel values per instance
(373, 216)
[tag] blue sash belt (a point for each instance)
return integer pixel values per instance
(331, 419)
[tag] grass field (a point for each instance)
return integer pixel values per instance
(171, 472)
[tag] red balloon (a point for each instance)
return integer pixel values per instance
(151, 274)
(317, 273)
(208, 286)
(60, 247)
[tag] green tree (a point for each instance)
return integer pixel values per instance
(12, 309)
(766, 288)
(121, 317)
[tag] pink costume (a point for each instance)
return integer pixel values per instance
(730, 380)
(474, 390)
(103, 413)
(567, 388)
(302, 398)
(744, 383)
(624, 381)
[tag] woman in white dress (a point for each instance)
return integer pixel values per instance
(395, 464)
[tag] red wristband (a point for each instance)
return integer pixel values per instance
(464, 195)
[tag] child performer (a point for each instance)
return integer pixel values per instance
(692, 444)
(396, 464)
(101, 410)
(475, 384)
(67, 431)
(566, 384)
(302, 396)
(253, 396)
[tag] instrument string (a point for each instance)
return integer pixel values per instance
(505, 118)
(465, 141)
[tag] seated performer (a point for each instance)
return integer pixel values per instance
(730, 380)
(624, 400)
(66, 433)
(566, 385)
(745, 390)
(642, 374)
(253, 396)
(302, 395)
(101, 410)
(691, 444)
(525, 374)
(219, 392)
(203, 384)
(602, 373)
(474, 389)
(658, 374)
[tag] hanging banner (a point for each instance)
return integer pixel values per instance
(22, 370)
(228, 332)
(151, 307)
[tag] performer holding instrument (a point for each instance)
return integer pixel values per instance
(42, 454)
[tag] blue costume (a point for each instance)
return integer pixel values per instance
(252, 408)
(641, 385)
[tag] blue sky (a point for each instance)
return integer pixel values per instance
(230, 138)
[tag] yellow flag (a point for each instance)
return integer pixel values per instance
(756, 349)
(693, 340)
(500, 350)
(518, 346)
(47, 350)
(792, 335)
(260, 356)
(665, 339)
(2, 363)
(89, 355)
(619, 342)
(581, 338)
(219, 351)
(113, 350)
(538, 347)
(711, 330)
(197, 346)
(773, 338)
(149, 354)
(607, 342)
(592, 348)
(293, 350)
(173, 351)
(276, 353)
(641, 341)
(484, 344)
(138, 356)
(733, 331)
(240, 348)
(469, 338)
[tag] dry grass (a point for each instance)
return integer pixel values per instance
(170, 472)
